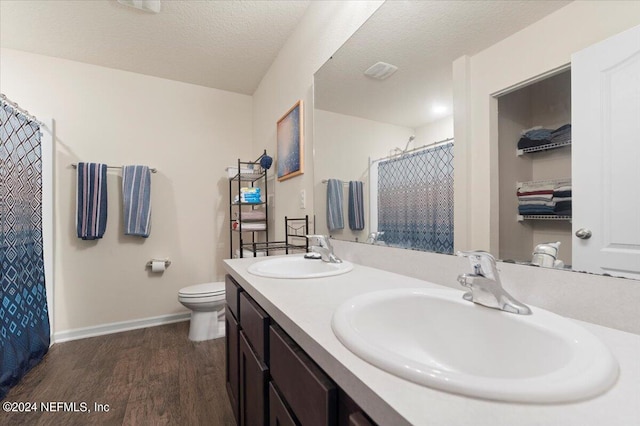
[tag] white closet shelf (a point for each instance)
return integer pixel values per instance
(544, 147)
(543, 217)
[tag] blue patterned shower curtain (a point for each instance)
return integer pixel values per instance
(415, 200)
(24, 320)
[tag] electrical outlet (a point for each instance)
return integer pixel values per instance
(303, 199)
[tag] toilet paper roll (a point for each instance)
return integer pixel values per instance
(158, 266)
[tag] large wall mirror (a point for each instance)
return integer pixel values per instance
(393, 130)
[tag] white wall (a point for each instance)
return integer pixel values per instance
(189, 133)
(324, 27)
(434, 132)
(537, 49)
(343, 146)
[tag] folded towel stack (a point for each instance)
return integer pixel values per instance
(249, 226)
(537, 137)
(249, 195)
(252, 216)
(545, 198)
(562, 200)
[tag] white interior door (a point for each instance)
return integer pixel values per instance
(605, 105)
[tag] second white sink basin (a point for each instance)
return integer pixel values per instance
(435, 338)
(296, 267)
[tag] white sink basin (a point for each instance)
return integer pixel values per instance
(298, 267)
(435, 338)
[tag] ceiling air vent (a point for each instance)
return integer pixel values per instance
(380, 70)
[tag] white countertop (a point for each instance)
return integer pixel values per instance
(303, 308)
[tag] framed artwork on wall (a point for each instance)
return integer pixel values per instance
(290, 140)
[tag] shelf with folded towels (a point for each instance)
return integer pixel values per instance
(522, 217)
(545, 147)
(544, 199)
(539, 139)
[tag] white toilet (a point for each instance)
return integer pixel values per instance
(206, 302)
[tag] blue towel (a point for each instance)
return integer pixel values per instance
(334, 205)
(356, 206)
(91, 207)
(136, 192)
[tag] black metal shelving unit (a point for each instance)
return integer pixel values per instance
(255, 178)
(295, 228)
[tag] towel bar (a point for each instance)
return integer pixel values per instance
(152, 170)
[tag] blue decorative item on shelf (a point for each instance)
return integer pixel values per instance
(266, 161)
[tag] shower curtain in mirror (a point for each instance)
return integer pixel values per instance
(415, 200)
(24, 320)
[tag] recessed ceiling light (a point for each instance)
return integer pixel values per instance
(439, 109)
(152, 6)
(380, 70)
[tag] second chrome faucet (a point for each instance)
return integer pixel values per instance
(320, 244)
(484, 284)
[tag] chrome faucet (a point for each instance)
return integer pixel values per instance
(320, 244)
(374, 237)
(484, 284)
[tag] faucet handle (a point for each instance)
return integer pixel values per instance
(482, 262)
(321, 240)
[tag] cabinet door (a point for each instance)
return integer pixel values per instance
(255, 325)
(232, 293)
(309, 392)
(279, 414)
(254, 376)
(232, 370)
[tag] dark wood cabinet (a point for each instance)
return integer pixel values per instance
(255, 324)
(232, 293)
(310, 393)
(279, 414)
(271, 380)
(232, 335)
(254, 379)
(349, 413)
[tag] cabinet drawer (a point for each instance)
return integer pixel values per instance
(308, 391)
(279, 414)
(232, 372)
(254, 378)
(255, 323)
(349, 413)
(232, 294)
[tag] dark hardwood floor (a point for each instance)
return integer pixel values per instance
(151, 376)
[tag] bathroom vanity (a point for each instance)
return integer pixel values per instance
(285, 365)
(270, 379)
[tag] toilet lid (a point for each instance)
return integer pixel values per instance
(206, 289)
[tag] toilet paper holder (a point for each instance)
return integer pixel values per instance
(167, 262)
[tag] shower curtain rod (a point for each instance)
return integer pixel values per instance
(400, 154)
(22, 111)
(152, 170)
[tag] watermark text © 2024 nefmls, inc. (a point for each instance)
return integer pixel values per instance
(55, 407)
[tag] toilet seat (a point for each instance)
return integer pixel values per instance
(199, 291)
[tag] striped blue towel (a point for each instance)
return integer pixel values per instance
(91, 206)
(356, 206)
(334, 205)
(136, 192)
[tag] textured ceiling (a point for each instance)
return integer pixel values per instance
(422, 38)
(227, 45)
